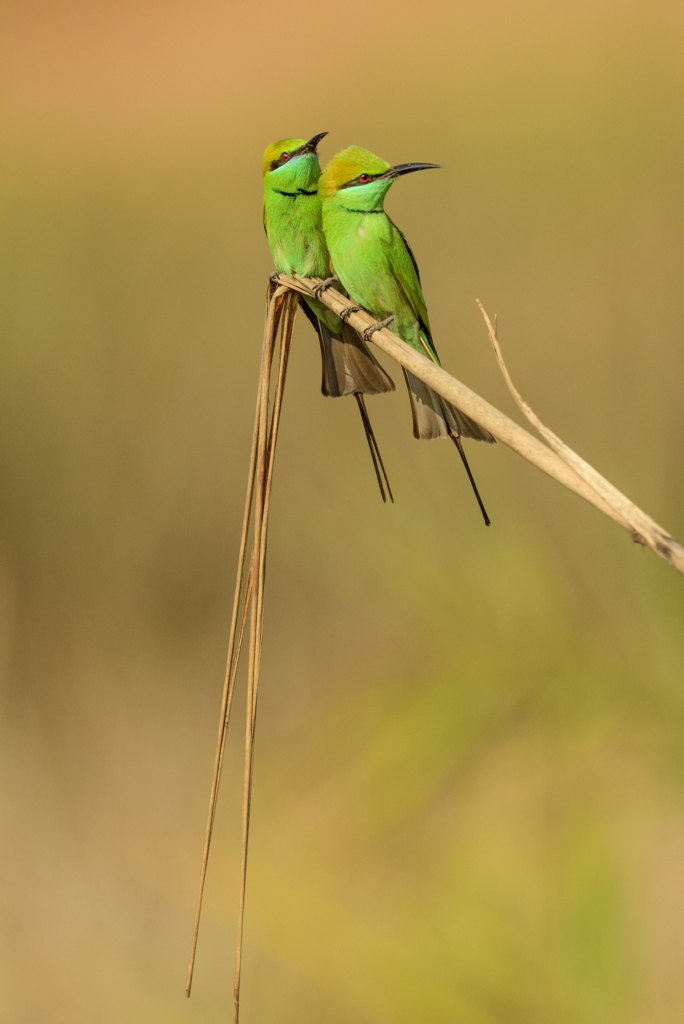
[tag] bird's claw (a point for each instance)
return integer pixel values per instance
(377, 327)
(275, 277)
(346, 313)
(323, 286)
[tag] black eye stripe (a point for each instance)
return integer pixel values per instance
(357, 180)
(293, 153)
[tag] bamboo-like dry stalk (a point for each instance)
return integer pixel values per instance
(562, 463)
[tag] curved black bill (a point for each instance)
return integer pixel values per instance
(399, 169)
(311, 145)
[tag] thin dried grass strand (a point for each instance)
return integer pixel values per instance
(249, 736)
(264, 387)
(285, 343)
(231, 666)
(274, 305)
(265, 463)
(236, 662)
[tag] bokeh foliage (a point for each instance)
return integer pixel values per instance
(469, 777)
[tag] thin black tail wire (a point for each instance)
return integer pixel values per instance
(373, 446)
(483, 510)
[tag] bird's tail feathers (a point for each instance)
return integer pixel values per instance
(349, 367)
(434, 417)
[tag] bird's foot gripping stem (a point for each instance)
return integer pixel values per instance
(377, 327)
(323, 285)
(275, 277)
(346, 313)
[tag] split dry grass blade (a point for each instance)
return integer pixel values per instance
(275, 300)
(264, 479)
(554, 458)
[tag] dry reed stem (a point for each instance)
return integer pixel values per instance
(568, 469)
(264, 479)
(275, 299)
(622, 505)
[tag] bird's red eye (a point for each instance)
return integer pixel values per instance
(284, 157)
(364, 178)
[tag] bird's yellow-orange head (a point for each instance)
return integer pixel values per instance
(358, 180)
(348, 165)
(278, 153)
(291, 154)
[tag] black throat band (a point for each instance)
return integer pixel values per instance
(294, 195)
(349, 210)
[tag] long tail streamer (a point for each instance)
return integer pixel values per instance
(483, 510)
(373, 446)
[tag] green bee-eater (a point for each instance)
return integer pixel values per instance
(292, 218)
(373, 261)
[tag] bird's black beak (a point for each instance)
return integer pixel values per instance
(311, 145)
(399, 169)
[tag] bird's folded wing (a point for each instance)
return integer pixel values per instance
(405, 270)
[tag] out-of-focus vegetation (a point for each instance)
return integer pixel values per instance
(469, 784)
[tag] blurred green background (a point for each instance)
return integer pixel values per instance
(469, 783)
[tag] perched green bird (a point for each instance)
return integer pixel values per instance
(292, 219)
(373, 261)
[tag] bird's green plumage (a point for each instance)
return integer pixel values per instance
(374, 262)
(292, 218)
(370, 254)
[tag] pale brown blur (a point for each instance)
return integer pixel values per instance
(469, 783)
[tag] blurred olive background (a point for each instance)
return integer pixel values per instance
(469, 785)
